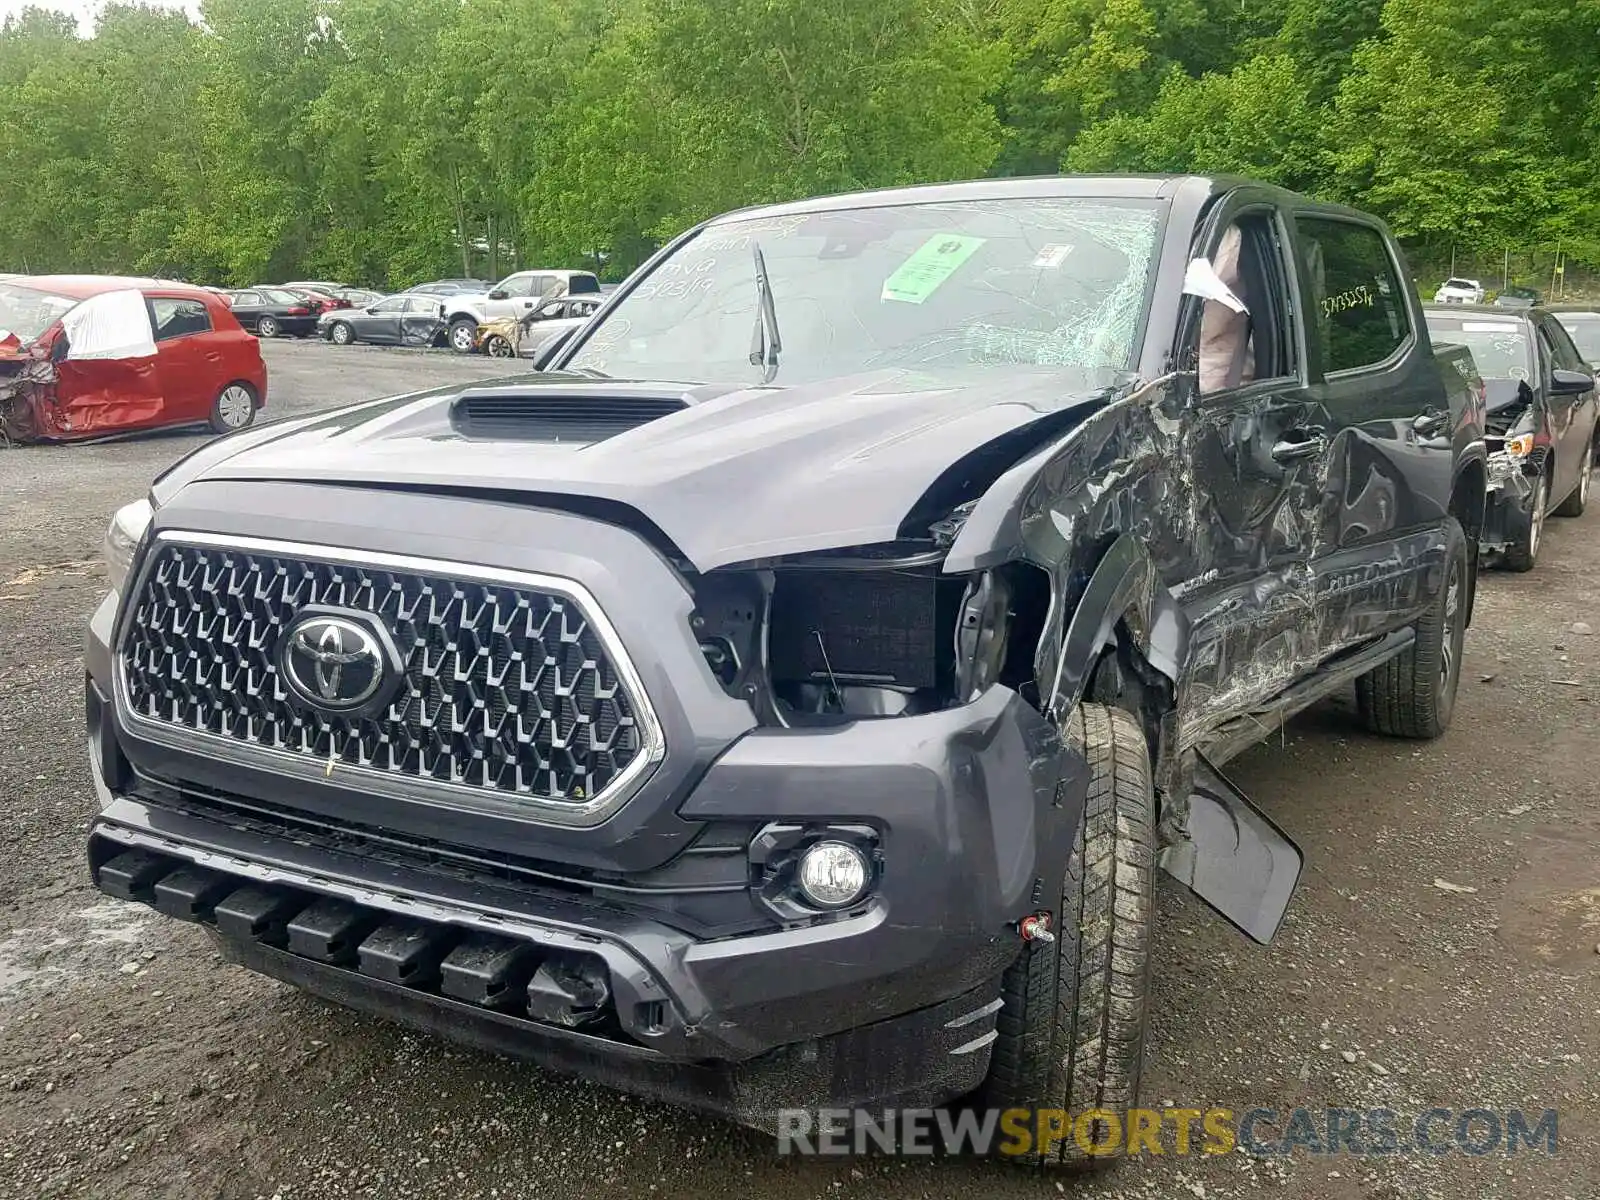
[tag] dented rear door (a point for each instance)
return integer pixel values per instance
(1386, 486)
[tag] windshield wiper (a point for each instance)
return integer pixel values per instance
(765, 342)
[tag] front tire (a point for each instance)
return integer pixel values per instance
(463, 336)
(341, 334)
(266, 327)
(1072, 1029)
(1414, 694)
(498, 347)
(234, 408)
(1578, 499)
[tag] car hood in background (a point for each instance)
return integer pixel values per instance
(1501, 394)
(738, 474)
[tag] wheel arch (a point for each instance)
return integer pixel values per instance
(1124, 644)
(1469, 505)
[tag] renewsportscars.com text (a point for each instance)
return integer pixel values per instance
(1263, 1132)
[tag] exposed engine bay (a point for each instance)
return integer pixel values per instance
(874, 632)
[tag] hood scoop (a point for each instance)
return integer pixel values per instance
(546, 415)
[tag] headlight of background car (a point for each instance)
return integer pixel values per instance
(1520, 446)
(127, 529)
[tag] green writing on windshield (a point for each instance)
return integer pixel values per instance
(933, 262)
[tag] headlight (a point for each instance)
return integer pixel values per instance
(833, 874)
(1501, 468)
(127, 529)
(1520, 446)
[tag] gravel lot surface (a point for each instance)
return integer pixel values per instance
(134, 1063)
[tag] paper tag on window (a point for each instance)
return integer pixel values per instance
(929, 266)
(1051, 256)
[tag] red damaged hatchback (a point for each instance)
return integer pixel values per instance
(83, 356)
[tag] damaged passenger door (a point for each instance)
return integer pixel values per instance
(422, 321)
(1256, 442)
(107, 379)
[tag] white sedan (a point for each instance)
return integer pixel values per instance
(1459, 291)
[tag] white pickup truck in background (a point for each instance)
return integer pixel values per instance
(514, 297)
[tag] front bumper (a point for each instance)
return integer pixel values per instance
(973, 810)
(1508, 513)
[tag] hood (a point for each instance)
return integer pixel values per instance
(736, 474)
(1501, 394)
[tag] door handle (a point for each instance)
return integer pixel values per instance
(1428, 424)
(1307, 447)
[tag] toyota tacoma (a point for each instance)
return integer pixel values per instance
(788, 695)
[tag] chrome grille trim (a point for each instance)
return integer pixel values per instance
(384, 782)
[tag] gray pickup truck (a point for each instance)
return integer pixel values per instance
(788, 697)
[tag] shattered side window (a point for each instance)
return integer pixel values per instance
(1053, 283)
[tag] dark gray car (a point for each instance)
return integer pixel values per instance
(404, 320)
(789, 697)
(1541, 426)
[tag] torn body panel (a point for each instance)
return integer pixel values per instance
(78, 398)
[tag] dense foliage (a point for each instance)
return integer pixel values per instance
(387, 141)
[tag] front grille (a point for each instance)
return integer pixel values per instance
(507, 689)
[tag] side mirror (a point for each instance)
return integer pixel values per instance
(1569, 383)
(548, 351)
(498, 294)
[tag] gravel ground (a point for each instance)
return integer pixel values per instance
(134, 1063)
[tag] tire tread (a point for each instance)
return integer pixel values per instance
(1072, 1028)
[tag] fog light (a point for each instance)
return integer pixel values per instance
(833, 874)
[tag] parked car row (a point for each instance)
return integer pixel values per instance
(517, 315)
(1541, 422)
(1456, 290)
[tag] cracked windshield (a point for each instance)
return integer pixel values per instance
(1057, 283)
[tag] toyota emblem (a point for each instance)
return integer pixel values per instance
(333, 663)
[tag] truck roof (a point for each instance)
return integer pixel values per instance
(1110, 187)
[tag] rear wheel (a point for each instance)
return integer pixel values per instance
(463, 335)
(1072, 1029)
(1413, 694)
(234, 408)
(1578, 499)
(267, 327)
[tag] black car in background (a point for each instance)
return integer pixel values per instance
(404, 320)
(270, 311)
(1582, 322)
(1541, 420)
(1516, 297)
(358, 297)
